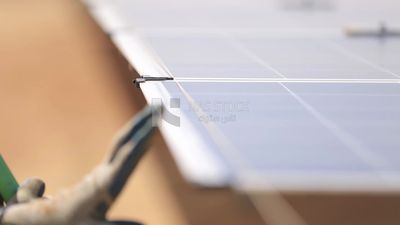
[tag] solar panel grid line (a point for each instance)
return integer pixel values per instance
(362, 59)
(285, 80)
(355, 72)
(303, 94)
(248, 52)
(283, 211)
(374, 160)
(211, 171)
(218, 136)
(262, 62)
(371, 158)
(279, 206)
(253, 56)
(381, 184)
(353, 145)
(329, 61)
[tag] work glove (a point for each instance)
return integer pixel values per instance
(88, 202)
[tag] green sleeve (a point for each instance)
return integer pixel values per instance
(8, 184)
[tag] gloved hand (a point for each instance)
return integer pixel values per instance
(30, 189)
(88, 202)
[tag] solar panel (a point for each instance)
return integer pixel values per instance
(217, 56)
(270, 93)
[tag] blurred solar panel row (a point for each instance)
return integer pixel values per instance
(292, 94)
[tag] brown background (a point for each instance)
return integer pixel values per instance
(64, 92)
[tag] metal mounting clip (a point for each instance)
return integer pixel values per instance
(382, 31)
(143, 79)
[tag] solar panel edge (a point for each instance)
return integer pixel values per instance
(193, 155)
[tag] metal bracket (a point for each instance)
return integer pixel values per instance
(143, 79)
(382, 31)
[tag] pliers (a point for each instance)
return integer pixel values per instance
(88, 202)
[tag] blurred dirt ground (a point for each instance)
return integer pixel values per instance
(64, 92)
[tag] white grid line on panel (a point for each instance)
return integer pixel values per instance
(359, 58)
(284, 80)
(372, 159)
